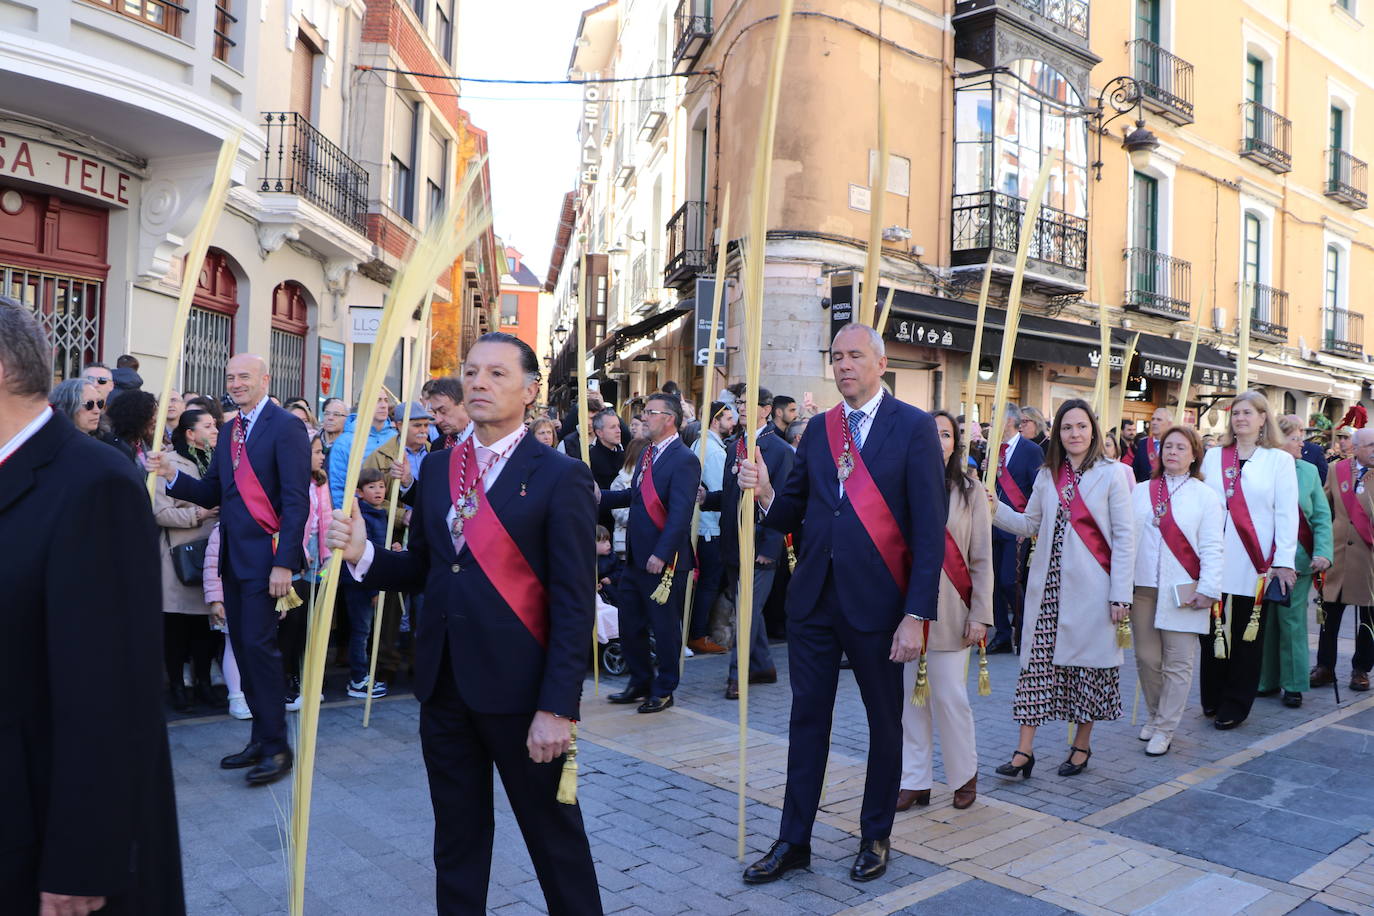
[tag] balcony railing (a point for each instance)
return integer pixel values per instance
(1071, 14)
(989, 220)
(653, 106)
(693, 32)
(302, 161)
(1346, 178)
(1342, 332)
(1158, 284)
(687, 249)
(639, 280)
(1268, 137)
(1167, 81)
(1268, 310)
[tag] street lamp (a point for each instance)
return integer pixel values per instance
(1124, 95)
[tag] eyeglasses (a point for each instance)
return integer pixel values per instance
(92, 405)
(336, 413)
(99, 379)
(658, 413)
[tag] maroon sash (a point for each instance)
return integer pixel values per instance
(1170, 532)
(250, 488)
(1240, 510)
(1010, 489)
(1081, 519)
(1305, 537)
(873, 511)
(956, 568)
(652, 503)
(1345, 475)
(496, 552)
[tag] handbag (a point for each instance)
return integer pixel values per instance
(188, 560)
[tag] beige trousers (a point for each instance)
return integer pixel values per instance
(949, 709)
(1164, 662)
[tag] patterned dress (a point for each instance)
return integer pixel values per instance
(1046, 692)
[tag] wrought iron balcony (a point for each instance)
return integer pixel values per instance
(1071, 14)
(1268, 138)
(1167, 81)
(1345, 179)
(989, 221)
(1157, 284)
(1268, 310)
(687, 248)
(653, 106)
(1342, 332)
(300, 160)
(693, 32)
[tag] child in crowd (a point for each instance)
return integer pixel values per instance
(607, 565)
(359, 599)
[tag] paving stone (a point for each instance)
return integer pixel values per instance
(979, 898)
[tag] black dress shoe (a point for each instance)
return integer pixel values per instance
(656, 704)
(871, 862)
(180, 701)
(781, 859)
(1069, 768)
(270, 769)
(207, 697)
(628, 695)
(1291, 699)
(998, 647)
(247, 757)
(1225, 725)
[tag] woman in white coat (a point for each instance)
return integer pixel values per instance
(1258, 486)
(1178, 558)
(1080, 509)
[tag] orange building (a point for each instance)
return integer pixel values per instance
(519, 303)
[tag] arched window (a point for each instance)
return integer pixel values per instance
(290, 321)
(210, 327)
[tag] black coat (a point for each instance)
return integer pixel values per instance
(85, 773)
(677, 475)
(779, 457)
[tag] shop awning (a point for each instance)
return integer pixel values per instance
(1164, 359)
(641, 329)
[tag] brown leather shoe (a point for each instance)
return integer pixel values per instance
(732, 689)
(705, 645)
(1321, 676)
(1359, 680)
(764, 677)
(966, 794)
(908, 797)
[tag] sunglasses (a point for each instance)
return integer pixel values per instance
(99, 379)
(658, 413)
(92, 405)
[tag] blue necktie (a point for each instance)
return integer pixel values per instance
(856, 419)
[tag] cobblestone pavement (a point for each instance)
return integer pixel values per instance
(1273, 817)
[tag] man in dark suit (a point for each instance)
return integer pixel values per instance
(89, 816)
(662, 493)
(869, 484)
(768, 543)
(1146, 457)
(501, 650)
(260, 479)
(1018, 461)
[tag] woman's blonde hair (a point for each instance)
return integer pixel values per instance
(1291, 423)
(1268, 431)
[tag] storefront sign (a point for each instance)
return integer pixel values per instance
(1217, 378)
(1095, 359)
(841, 311)
(929, 334)
(364, 321)
(705, 292)
(331, 382)
(591, 130)
(66, 169)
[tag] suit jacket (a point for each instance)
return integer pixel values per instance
(1086, 636)
(545, 501)
(677, 474)
(779, 458)
(85, 775)
(1026, 461)
(903, 456)
(1271, 493)
(1351, 577)
(1140, 463)
(279, 451)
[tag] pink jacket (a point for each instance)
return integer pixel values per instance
(210, 580)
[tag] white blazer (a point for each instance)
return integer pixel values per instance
(1271, 492)
(1199, 515)
(1086, 636)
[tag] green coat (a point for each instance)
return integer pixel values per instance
(1317, 511)
(1284, 655)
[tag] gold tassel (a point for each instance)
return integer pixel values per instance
(791, 556)
(665, 586)
(921, 695)
(984, 679)
(1123, 634)
(288, 601)
(567, 782)
(1321, 614)
(1219, 629)
(1252, 625)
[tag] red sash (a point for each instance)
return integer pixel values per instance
(1010, 489)
(250, 488)
(1240, 510)
(1305, 537)
(1152, 452)
(1345, 475)
(496, 552)
(652, 503)
(873, 511)
(1170, 532)
(956, 568)
(1081, 519)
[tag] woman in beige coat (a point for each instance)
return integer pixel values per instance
(186, 623)
(1080, 509)
(958, 627)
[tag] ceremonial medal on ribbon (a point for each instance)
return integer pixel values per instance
(846, 463)
(237, 450)
(465, 509)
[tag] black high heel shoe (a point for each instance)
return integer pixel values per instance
(1014, 769)
(1069, 768)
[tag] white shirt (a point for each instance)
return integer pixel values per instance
(660, 446)
(503, 447)
(25, 434)
(1011, 447)
(251, 417)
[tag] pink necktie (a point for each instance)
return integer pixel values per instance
(485, 459)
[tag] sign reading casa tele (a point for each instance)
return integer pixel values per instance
(67, 169)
